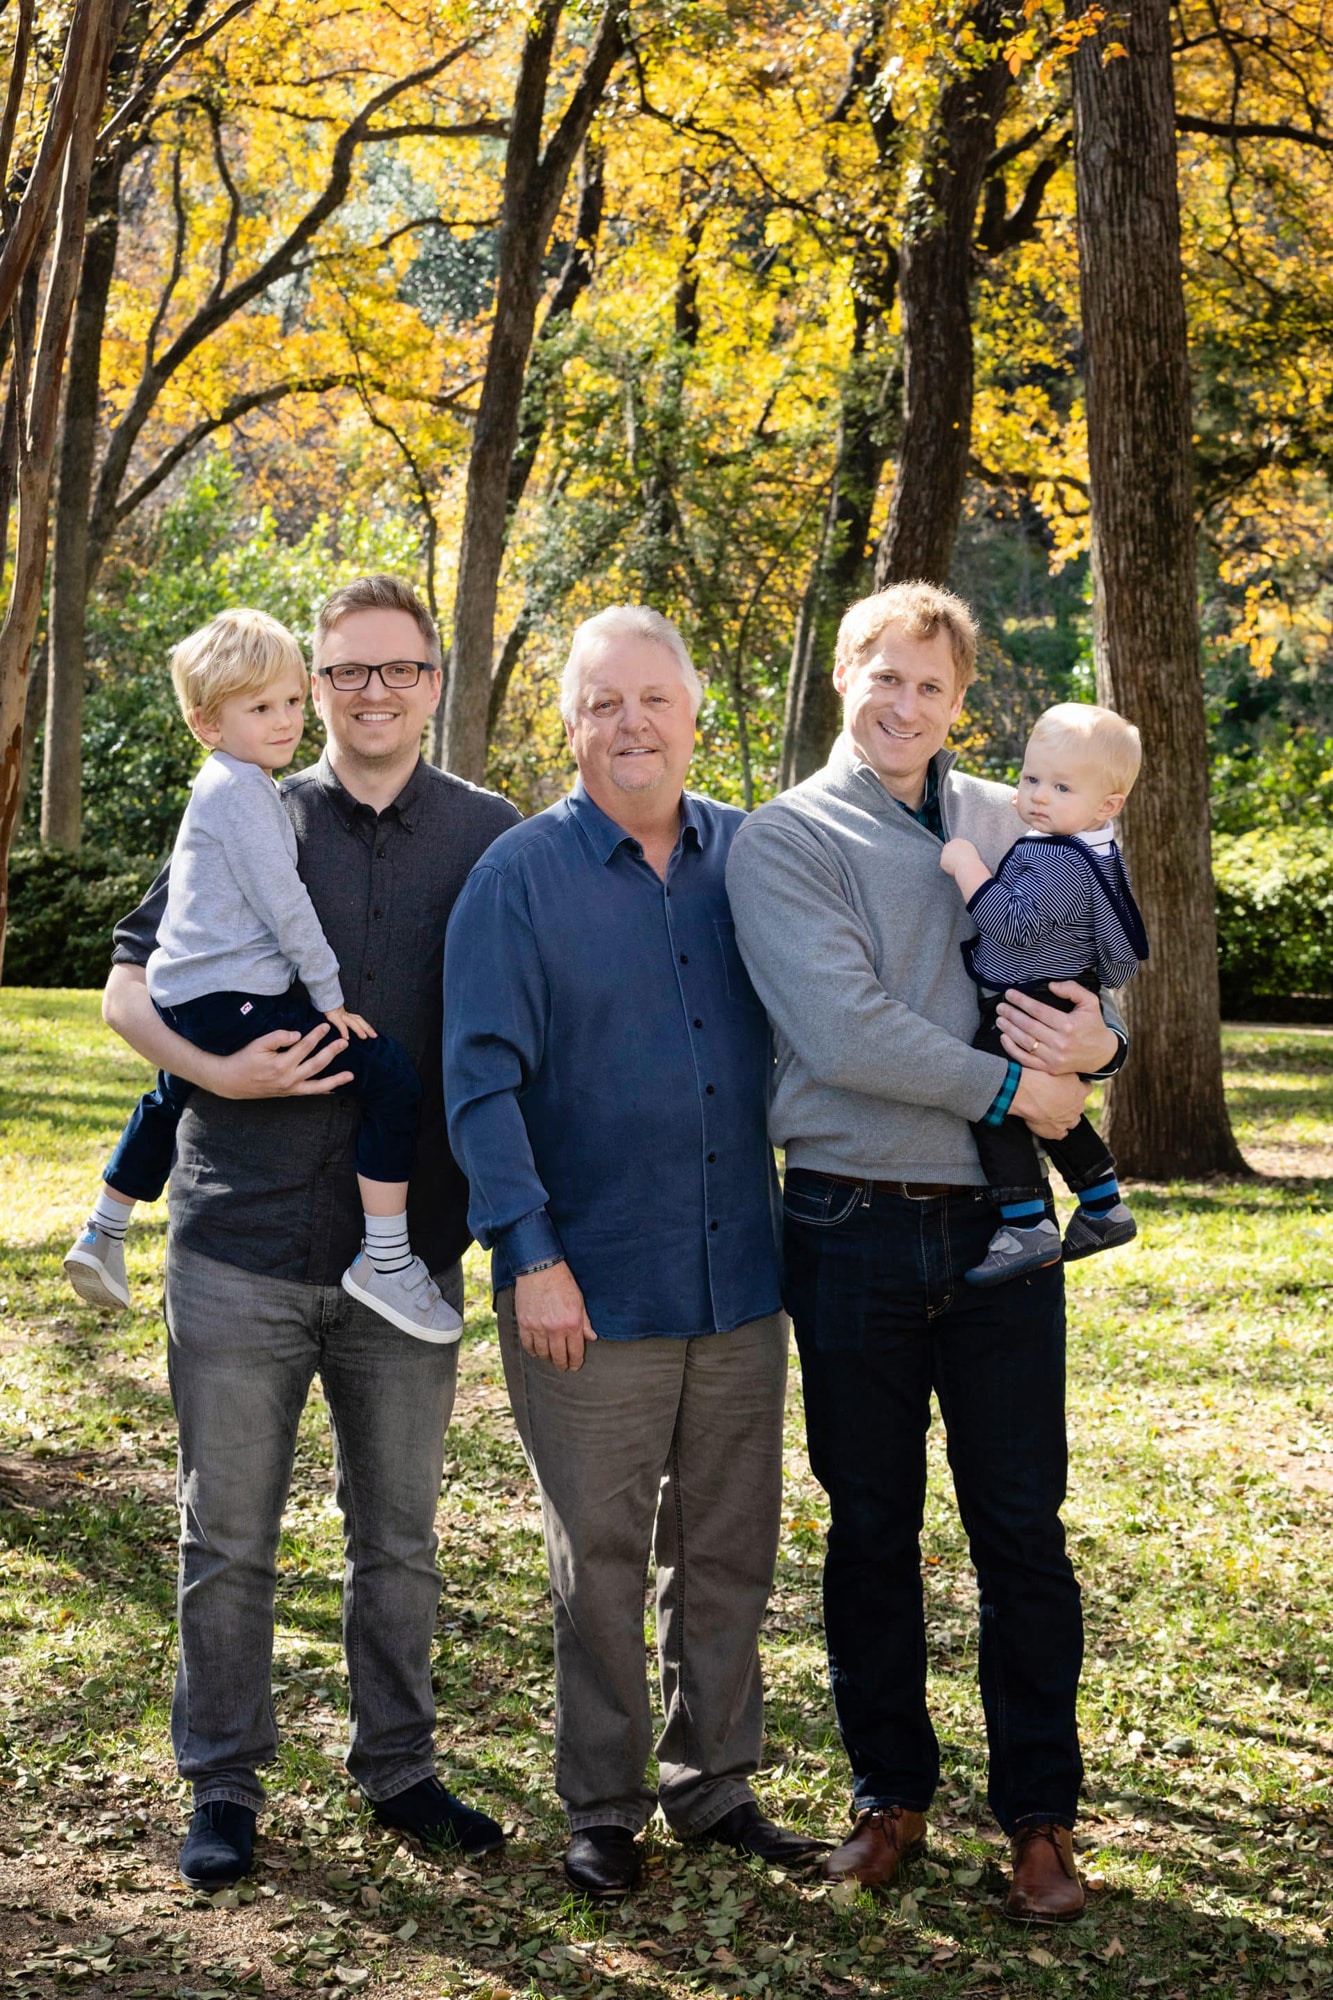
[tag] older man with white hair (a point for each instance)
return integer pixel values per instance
(606, 1073)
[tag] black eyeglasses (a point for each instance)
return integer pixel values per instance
(349, 675)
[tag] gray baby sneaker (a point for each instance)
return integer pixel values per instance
(95, 1266)
(1014, 1252)
(409, 1299)
(1087, 1234)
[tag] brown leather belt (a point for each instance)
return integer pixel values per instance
(907, 1190)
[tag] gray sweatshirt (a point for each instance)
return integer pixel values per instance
(239, 918)
(852, 935)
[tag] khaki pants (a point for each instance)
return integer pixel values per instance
(670, 1447)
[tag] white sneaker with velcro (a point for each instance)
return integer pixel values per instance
(409, 1299)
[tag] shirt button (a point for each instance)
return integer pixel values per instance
(370, 979)
(708, 1090)
(712, 1225)
(377, 913)
(697, 1022)
(684, 958)
(712, 1159)
(380, 853)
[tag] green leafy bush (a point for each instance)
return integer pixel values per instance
(1275, 922)
(1273, 782)
(62, 910)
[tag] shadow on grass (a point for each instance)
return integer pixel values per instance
(1264, 1193)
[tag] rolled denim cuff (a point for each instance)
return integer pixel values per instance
(530, 1244)
(1004, 1096)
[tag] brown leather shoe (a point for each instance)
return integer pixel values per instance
(1045, 1888)
(879, 1844)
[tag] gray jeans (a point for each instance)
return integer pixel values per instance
(243, 1351)
(672, 1447)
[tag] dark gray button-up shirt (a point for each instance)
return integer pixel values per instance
(270, 1184)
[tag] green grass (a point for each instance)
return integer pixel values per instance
(1201, 1520)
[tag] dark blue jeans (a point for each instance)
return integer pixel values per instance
(874, 1285)
(383, 1077)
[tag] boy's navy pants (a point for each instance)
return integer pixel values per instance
(383, 1077)
(1008, 1152)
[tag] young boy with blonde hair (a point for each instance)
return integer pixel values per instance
(241, 953)
(1058, 907)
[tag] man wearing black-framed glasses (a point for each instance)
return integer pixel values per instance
(350, 676)
(264, 1217)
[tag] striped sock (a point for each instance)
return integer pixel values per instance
(111, 1217)
(387, 1244)
(1026, 1213)
(1096, 1200)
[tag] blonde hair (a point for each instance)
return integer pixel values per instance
(625, 621)
(1099, 734)
(918, 611)
(238, 652)
(379, 592)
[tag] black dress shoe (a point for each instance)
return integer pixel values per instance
(428, 1813)
(603, 1861)
(746, 1829)
(219, 1846)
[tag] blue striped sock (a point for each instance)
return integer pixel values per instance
(1024, 1213)
(1096, 1200)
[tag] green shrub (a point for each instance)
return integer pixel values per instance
(1275, 922)
(62, 910)
(1277, 782)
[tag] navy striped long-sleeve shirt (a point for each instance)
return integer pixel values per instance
(1057, 906)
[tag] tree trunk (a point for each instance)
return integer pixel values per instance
(1167, 1116)
(534, 186)
(814, 709)
(813, 713)
(39, 402)
(573, 281)
(62, 750)
(935, 287)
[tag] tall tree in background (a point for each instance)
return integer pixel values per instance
(75, 109)
(931, 272)
(814, 709)
(935, 289)
(1167, 1116)
(130, 95)
(535, 178)
(97, 495)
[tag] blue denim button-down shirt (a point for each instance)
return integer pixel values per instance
(607, 1066)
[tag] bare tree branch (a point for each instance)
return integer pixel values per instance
(216, 310)
(228, 243)
(189, 44)
(82, 49)
(177, 260)
(258, 399)
(1000, 231)
(14, 93)
(1223, 128)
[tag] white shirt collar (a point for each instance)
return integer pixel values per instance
(1101, 839)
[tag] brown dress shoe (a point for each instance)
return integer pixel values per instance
(879, 1844)
(1045, 1888)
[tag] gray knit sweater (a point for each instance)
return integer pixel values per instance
(852, 935)
(239, 919)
